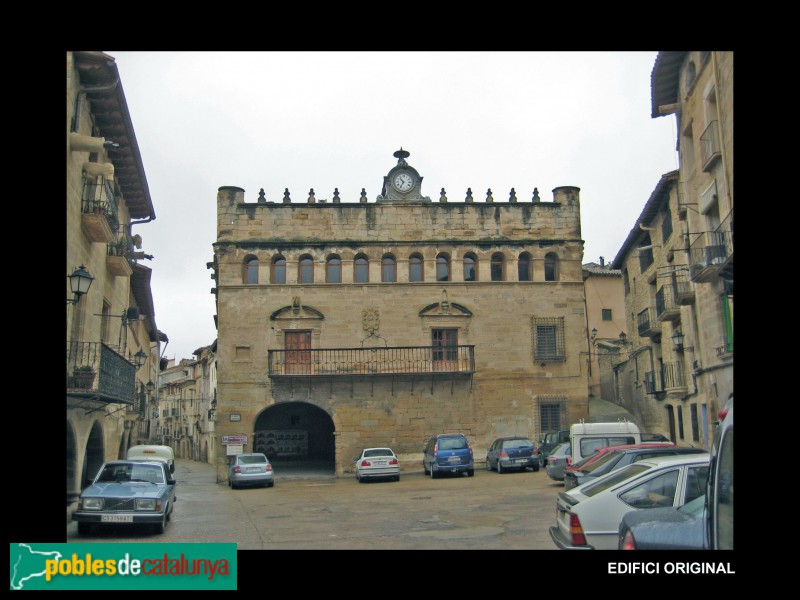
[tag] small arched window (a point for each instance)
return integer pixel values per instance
(388, 269)
(524, 267)
(551, 267)
(278, 270)
(415, 268)
(498, 268)
(251, 270)
(361, 269)
(306, 270)
(470, 267)
(442, 268)
(333, 269)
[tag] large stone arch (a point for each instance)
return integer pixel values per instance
(295, 433)
(73, 484)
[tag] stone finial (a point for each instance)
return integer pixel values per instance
(311, 198)
(336, 199)
(363, 196)
(512, 197)
(442, 198)
(261, 198)
(469, 195)
(286, 199)
(489, 195)
(536, 195)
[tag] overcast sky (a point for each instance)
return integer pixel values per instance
(325, 120)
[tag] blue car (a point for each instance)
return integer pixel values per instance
(448, 453)
(126, 492)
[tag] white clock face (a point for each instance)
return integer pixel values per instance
(403, 182)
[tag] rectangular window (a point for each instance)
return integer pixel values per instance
(695, 424)
(551, 415)
(548, 339)
(444, 344)
(680, 423)
(607, 314)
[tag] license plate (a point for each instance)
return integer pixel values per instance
(380, 463)
(521, 461)
(454, 459)
(116, 518)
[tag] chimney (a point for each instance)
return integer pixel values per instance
(602, 262)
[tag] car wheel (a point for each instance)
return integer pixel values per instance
(424, 468)
(359, 479)
(536, 468)
(84, 528)
(397, 477)
(499, 467)
(271, 484)
(488, 465)
(471, 473)
(433, 474)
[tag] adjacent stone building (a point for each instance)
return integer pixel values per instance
(343, 325)
(676, 372)
(112, 339)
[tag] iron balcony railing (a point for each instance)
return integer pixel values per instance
(647, 324)
(93, 368)
(672, 375)
(99, 197)
(667, 305)
(400, 360)
(712, 251)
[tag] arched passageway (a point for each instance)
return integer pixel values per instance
(296, 436)
(94, 455)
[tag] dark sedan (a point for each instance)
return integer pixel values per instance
(517, 453)
(127, 492)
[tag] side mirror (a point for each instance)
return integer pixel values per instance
(355, 459)
(172, 468)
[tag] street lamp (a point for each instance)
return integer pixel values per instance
(139, 358)
(79, 283)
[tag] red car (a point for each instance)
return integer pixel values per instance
(574, 474)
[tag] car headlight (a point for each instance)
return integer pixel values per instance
(148, 504)
(92, 503)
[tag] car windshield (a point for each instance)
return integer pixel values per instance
(565, 449)
(252, 459)
(377, 452)
(603, 460)
(120, 473)
(613, 479)
(522, 443)
(578, 465)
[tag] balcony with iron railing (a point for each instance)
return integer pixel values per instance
(684, 290)
(667, 306)
(653, 382)
(710, 146)
(673, 377)
(711, 254)
(372, 362)
(96, 370)
(647, 324)
(99, 210)
(120, 253)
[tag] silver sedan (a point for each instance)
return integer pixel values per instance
(377, 463)
(558, 460)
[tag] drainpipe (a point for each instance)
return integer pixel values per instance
(721, 140)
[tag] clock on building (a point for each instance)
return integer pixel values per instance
(402, 183)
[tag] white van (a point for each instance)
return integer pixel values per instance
(159, 453)
(588, 437)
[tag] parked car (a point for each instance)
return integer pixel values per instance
(616, 457)
(549, 442)
(448, 453)
(703, 524)
(153, 452)
(512, 453)
(377, 463)
(252, 468)
(557, 461)
(589, 516)
(126, 492)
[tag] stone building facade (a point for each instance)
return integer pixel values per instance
(677, 371)
(347, 325)
(112, 339)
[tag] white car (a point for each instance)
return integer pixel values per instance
(377, 463)
(588, 516)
